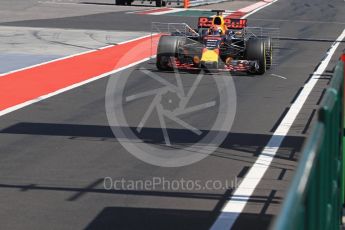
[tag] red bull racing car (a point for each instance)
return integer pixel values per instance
(217, 44)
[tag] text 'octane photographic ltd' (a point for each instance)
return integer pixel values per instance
(162, 183)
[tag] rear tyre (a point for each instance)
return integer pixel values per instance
(268, 52)
(167, 49)
(256, 52)
(158, 3)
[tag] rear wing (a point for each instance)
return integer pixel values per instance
(231, 23)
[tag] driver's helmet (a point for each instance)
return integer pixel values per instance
(216, 30)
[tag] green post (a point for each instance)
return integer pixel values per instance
(342, 71)
(317, 192)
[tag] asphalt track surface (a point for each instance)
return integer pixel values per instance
(55, 153)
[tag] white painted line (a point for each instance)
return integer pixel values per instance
(228, 12)
(140, 11)
(252, 7)
(67, 3)
(57, 3)
(170, 10)
(71, 56)
(260, 8)
(239, 199)
(138, 38)
(30, 102)
(276, 75)
(173, 10)
(207, 10)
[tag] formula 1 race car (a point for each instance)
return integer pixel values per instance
(217, 44)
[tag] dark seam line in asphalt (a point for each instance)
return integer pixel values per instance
(33, 187)
(296, 95)
(292, 155)
(11, 36)
(243, 172)
(316, 67)
(268, 202)
(261, 200)
(332, 70)
(28, 187)
(93, 38)
(321, 96)
(66, 44)
(258, 151)
(321, 76)
(307, 125)
(310, 75)
(81, 193)
(282, 174)
(220, 204)
(275, 126)
(35, 34)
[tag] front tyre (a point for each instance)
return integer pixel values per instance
(167, 50)
(256, 52)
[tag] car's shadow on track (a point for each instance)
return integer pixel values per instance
(242, 147)
(250, 143)
(196, 72)
(151, 218)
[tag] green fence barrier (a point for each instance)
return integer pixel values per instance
(316, 195)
